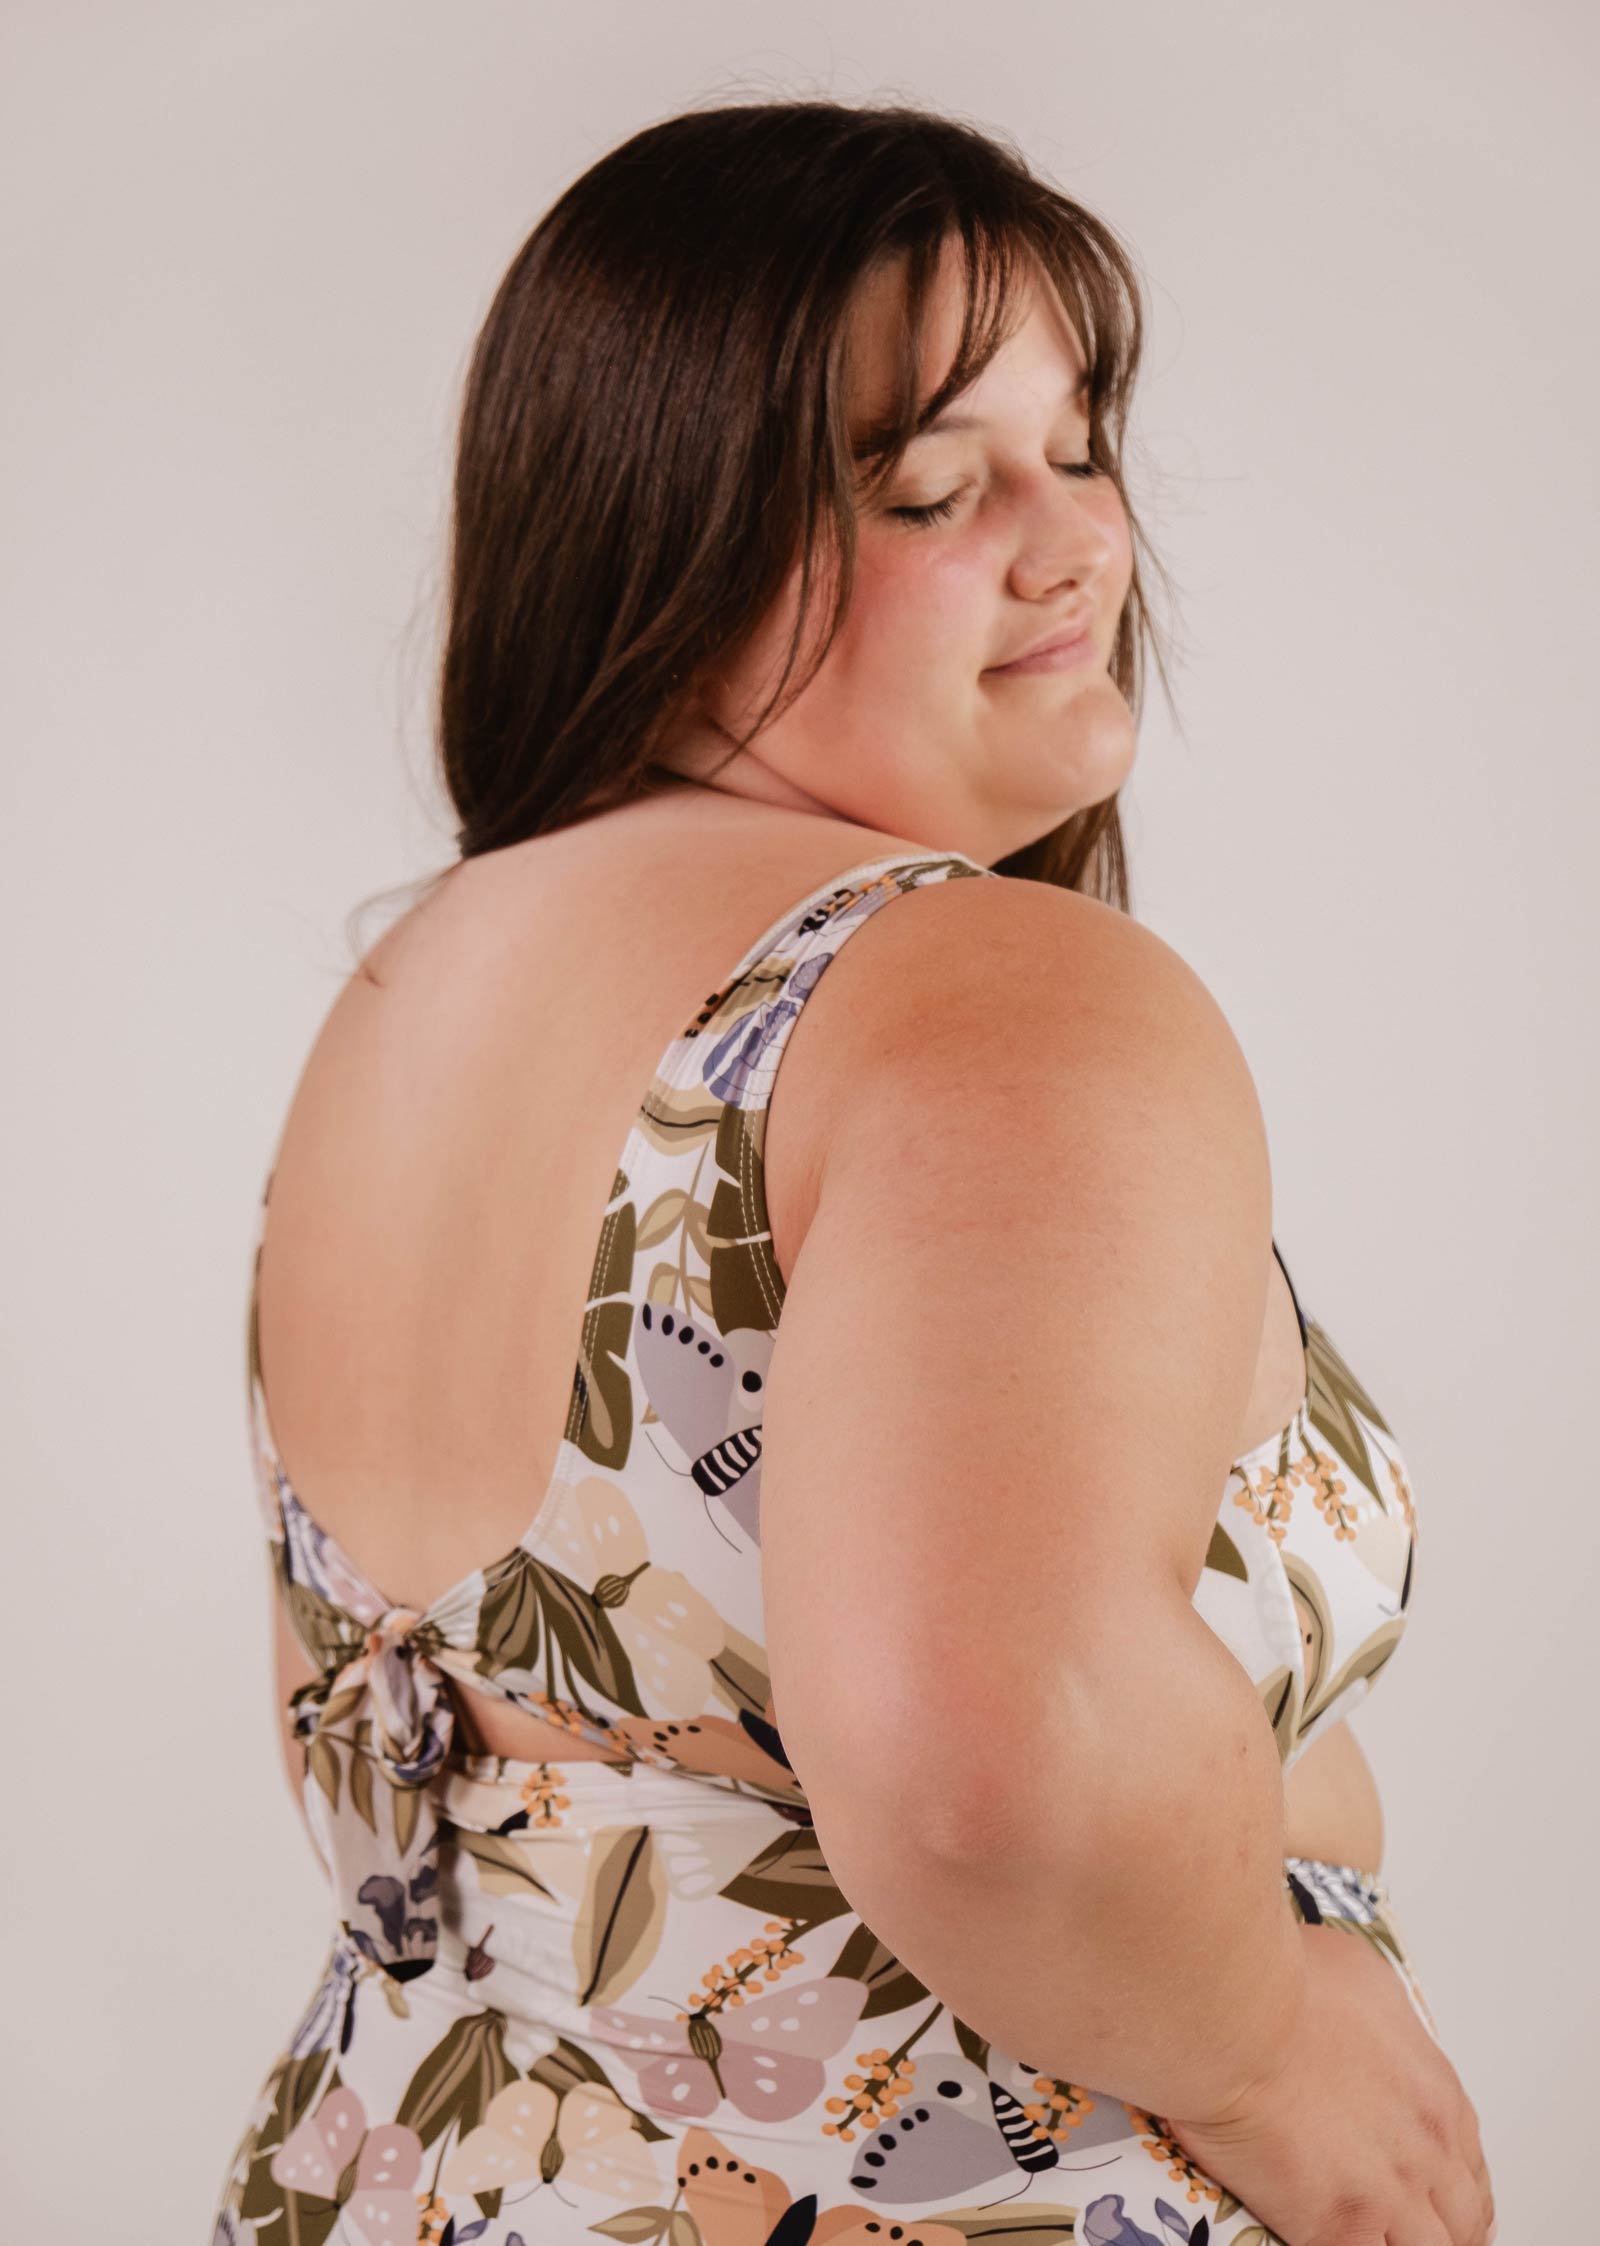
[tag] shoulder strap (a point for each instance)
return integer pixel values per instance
(736, 1040)
(713, 1085)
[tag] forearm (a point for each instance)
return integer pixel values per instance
(1116, 1915)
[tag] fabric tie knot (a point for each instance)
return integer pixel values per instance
(414, 1718)
(377, 1728)
(393, 1628)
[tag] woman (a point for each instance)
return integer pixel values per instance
(899, 1783)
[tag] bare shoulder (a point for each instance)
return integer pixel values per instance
(975, 998)
(1022, 1049)
(1023, 944)
(999, 946)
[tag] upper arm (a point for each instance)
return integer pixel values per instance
(1019, 1336)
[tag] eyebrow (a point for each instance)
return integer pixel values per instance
(948, 422)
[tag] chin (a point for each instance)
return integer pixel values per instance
(1093, 756)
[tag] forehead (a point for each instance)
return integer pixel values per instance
(1038, 365)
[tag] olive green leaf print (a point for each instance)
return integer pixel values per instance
(504, 1867)
(463, 2071)
(890, 1986)
(789, 1879)
(621, 1915)
(1280, 1696)
(1336, 1404)
(533, 1617)
(1224, 1555)
(600, 1415)
(330, 1635)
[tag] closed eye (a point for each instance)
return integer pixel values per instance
(939, 510)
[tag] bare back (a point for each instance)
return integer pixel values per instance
(441, 1174)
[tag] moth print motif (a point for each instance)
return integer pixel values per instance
(707, 1390)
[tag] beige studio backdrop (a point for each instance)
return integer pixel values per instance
(246, 250)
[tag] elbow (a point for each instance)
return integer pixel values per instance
(1071, 1762)
(970, 1784)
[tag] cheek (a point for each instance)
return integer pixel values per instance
(921, 599)
(922, 593)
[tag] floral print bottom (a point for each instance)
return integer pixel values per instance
(652, 2015)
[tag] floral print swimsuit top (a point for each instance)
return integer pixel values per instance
(630, 1613)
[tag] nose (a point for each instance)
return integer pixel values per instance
(1067, 543)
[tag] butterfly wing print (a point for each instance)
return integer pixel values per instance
(708, 1391)
(505, 2147)
(955, 2130)
(963, 2126)
(382, 2204)
(601, 2147)
(766, 2058)
(528, 2137)
(742, 1065)
(734, 2203)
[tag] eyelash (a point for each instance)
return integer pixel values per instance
(939, 509)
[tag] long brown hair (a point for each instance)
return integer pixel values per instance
(654, 428)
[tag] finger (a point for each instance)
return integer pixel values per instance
(1472, 2145)
(1480, 2177)
(1422, 2225)
(1459, 2205)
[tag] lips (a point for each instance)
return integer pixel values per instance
(1065, 635)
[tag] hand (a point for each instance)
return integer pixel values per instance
(1363, 2135)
